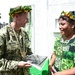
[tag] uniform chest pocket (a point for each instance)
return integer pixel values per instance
(12, 45)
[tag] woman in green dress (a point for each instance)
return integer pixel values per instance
(62, 61)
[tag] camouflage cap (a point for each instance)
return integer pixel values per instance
(19, 9)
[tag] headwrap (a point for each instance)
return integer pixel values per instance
(70, 14)
(19, 9)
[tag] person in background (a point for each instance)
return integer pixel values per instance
(15, 43)
(62, 61)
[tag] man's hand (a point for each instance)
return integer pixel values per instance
(23, 64)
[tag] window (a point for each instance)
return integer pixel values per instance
(58, 1)
(56, 25)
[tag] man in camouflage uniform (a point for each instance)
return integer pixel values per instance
(14, 44)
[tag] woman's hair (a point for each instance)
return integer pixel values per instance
(70, 21)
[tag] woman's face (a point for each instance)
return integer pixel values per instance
(65, 28)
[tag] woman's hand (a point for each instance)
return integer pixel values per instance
(58, 73)
(52, 70)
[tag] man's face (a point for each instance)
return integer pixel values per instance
(23, 19)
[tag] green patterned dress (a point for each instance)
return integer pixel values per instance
(65, 54)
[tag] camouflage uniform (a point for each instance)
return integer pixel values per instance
(12, 49)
